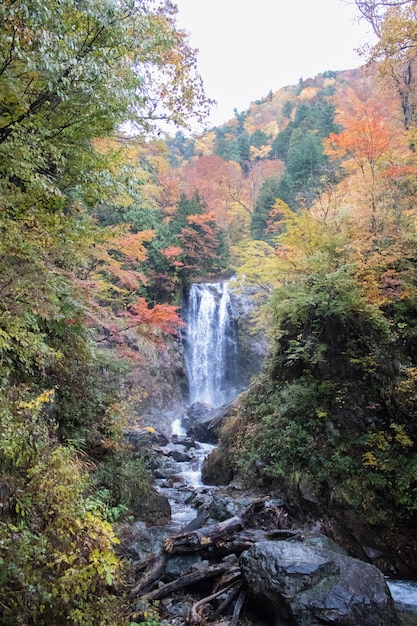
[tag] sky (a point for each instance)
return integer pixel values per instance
(250, 47)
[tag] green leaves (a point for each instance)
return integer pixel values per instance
(71, 71)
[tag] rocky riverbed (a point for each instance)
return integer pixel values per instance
(229, 556)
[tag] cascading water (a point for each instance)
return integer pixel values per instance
(211, 354)
(211, 345)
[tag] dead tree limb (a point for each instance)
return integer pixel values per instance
(234, 591)
(202, 538)
(194, 618)
(238, 608)
(187, 580)
(153, 572)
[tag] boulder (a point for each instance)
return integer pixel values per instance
(180, 565)
(154, 509)
(139, 541)
(177, 452)
(141, 438)
(306, 585)
(196, 413)
(207, 431)
(216, 469)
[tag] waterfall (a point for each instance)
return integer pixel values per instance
(211, 345)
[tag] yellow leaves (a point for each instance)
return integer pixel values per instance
(204, 145)
(39, 401)
(398, 35)
(259, 153)
(257, 263)
(369, 460)
(308, 93)
(272, 129)
(385, 446)
(279, 215)
(401, 436)
(104, 564)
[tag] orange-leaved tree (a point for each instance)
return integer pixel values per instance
(202, 244)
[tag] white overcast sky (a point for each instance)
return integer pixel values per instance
(248, 47)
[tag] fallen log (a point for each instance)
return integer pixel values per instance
(153, 572)
(194, 619)
(189, 580)
(225, 538)
(202, 538)
(234, 591)
(238, 608)
(285, 535)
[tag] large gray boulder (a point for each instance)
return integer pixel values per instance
(196, 413)
(208, 431)
(307, 585)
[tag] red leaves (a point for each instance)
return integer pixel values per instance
(162, 317)
(200, 240)
(171, 252)
(366, 137)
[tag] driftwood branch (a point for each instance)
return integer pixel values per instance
(153, 572)
(186, 581)
(194, 618)
(238, 608)
(202, 538)
(234, 591)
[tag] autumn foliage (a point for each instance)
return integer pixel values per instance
(309, 194)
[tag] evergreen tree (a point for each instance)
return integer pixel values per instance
(266, 199)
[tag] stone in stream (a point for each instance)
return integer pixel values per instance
(306, 585)
(207, 431)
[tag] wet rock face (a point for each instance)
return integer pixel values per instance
(216, 470)
(155, 509)
(203, 422)
(161, 379)
(305, 585)
(253, 345)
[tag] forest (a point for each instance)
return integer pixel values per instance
(309, 195)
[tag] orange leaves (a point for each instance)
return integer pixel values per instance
(120, 255)
(398, 171)
(200, 240)
(171, 252)
(212, 177)
(162, 317)
(130, 279)
(131, 244)
(170, 193)
(203, 220)
(366, 136)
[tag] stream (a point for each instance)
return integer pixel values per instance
(211, 352)
(211, 348)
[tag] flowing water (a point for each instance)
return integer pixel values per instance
(211, 347)
(211, 352)
(404, 594)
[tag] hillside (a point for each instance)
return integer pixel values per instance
(309, 195)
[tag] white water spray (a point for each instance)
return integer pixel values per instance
(211, 346)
